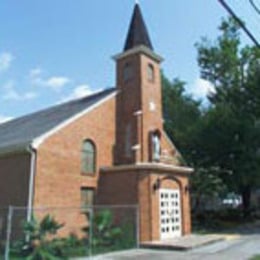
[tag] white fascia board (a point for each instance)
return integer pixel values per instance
(139, 49)
(39, 140)
(162, 167)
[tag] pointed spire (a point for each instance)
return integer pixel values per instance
(137, 34)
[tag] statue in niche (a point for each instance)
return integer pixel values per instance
(156, 145)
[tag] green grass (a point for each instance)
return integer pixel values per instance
(215, 226)
(256, 257)
(219, 221)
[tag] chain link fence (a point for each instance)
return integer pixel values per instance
(68, 233)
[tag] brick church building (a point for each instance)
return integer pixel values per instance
(108, 148)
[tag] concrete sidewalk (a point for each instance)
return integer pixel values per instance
(237, 248)
(240, 243)
(184, 243)
(180, 244)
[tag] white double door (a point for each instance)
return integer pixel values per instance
(170, 213)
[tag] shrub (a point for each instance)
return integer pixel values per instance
(37, 243)
(104, 232)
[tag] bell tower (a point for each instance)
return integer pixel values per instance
(138, 108)
(146, 170)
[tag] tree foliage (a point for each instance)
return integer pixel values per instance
(231, 126)
(183, 123)
(181, 114)
(222, 143)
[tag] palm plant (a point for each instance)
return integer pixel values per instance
(38, 244)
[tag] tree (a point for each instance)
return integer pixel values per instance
(230, 132)
(184, 121)
(181, 114)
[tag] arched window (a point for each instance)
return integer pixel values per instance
(150, 72)
(127, 73)
(88, 157)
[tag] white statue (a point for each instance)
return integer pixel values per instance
(156, 146)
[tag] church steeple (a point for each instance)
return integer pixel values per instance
(137, 33)
(138, 103)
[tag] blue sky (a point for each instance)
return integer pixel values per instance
(55, 50)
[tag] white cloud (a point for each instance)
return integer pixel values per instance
(35, 77)
(34, 73)
(6, 59)
(79, 92)
(201, 88)
(4, 119)
(28, 95)
(10, 93)
(56, 83)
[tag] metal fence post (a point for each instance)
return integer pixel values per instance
(137, 227)
(8, 232)
(90, 231)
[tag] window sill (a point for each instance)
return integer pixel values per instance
(91, 174)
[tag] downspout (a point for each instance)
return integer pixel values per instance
(32, 151)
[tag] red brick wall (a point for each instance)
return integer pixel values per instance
(58, 172)
(128, 102)
(136, 186)
(149, 203)
(145, 207)
(117, 188)
(151, 92)
(135, 95)
(169, 153)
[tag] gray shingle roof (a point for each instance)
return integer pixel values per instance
(22, 131)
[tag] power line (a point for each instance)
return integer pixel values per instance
(232, 13)
(252, 19)
(254, 6)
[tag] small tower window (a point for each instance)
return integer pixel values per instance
(128, 137)
(150, 72)
(128, 72)
(88, 157)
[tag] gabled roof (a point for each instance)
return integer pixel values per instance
(21, 132)
(137, 33)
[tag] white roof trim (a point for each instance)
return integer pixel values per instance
(139, 49)
(39, 140)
